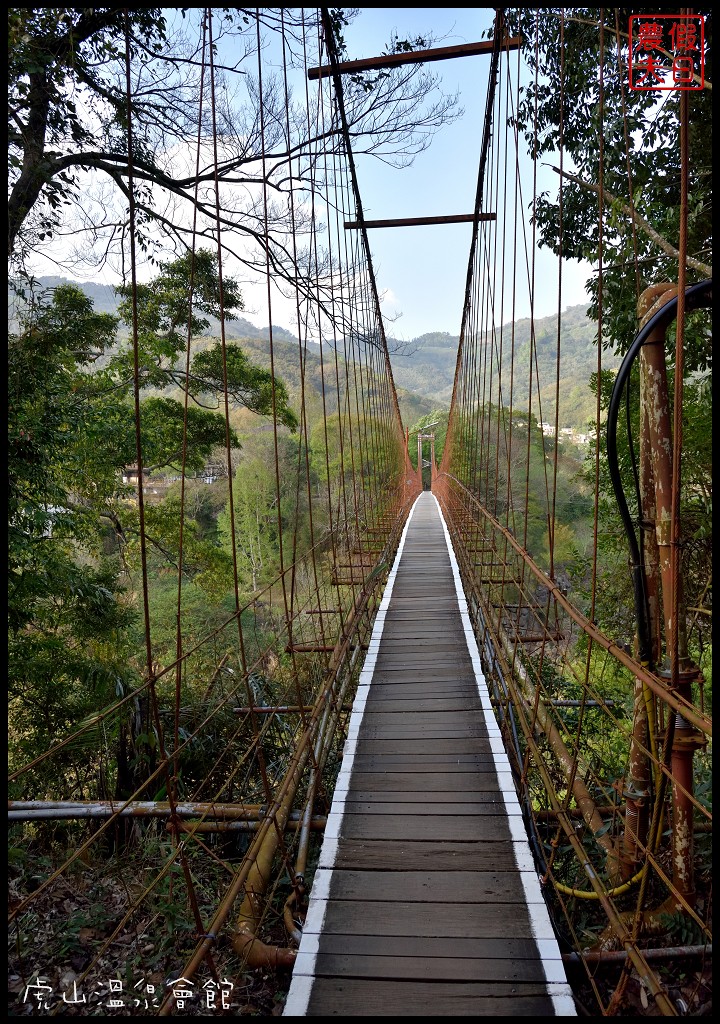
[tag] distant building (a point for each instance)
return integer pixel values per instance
(130, 475)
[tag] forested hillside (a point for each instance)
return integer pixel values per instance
(430, 369)
(424, 368)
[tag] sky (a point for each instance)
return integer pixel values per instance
(421, 271)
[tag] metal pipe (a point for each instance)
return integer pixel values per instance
(41, 810)
(598, 957)
(609, 809)
(685, 743)
(686, 740)
(216, 818)
(696, 297)
(637, 787)
(280, 709)
(639, 774)
(583, 703)
(656, 395)
(649, 554)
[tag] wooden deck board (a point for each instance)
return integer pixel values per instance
(451, 746)
(424, 855)
(429, 886)
(414, 659)
(453, 760)
(425, 968)
(401, 918)
(420, 784)
(424, 904)
(439, 682)
(400, 731)
(419, 796)
(388, 705)
(406, 807)
(381, 826)
(460, 947)
(419, 718)
(343, 997)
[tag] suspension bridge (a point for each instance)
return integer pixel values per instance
(416, 771)
(426, 878)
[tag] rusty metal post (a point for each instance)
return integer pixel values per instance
(686, 741)
(648, 538)
(656, 416)
(411, 476)
(639, 775)
(637, 788)
(407, 466)
(656, 396)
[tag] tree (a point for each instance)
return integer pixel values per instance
(66, 612)
(255, 516)
(74, 526)
(640, 198)
(436, 423)
(68, 120)
(641, 160)
(167, 309)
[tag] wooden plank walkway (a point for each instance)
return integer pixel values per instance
(426, 901)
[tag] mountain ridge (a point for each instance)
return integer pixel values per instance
(424, 369)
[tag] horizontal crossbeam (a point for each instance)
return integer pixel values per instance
(394, 60)
(411, 222)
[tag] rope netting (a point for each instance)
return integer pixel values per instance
(608, 735)
(213, 776)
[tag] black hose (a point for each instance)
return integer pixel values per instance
(697, 296)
